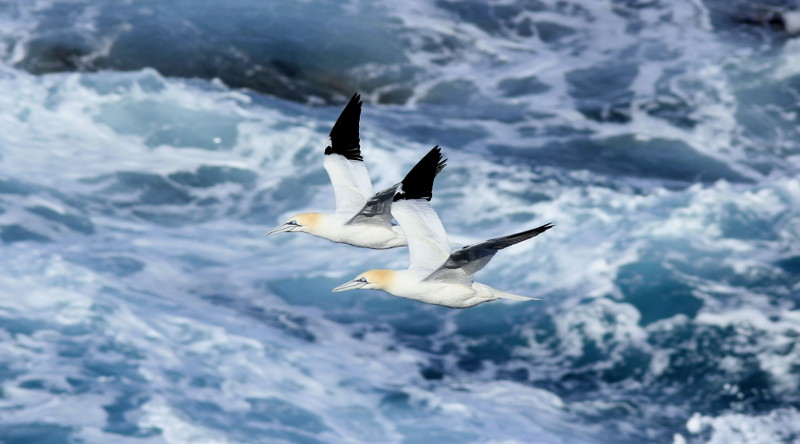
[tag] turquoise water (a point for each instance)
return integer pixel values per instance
(146, 148)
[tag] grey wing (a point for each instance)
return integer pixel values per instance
(417, 184)
(465, 262)
(377, 210)
(462, 265)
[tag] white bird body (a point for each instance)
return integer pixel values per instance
(411, 284)
(436, 275)
(335, 228)
(361, 219)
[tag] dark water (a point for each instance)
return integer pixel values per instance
(147, 146)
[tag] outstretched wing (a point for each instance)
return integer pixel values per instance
(428, 247)
(378, 208)
(343, 161)
(465, 262)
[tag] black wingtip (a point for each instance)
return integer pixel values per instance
(507, 241)
(344, 134)
(440, 166)
(537, 231)
(418, 183)
(545, 227)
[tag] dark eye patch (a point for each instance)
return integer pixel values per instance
(292, 222)
(363, 280)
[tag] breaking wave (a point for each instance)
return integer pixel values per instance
(147, 146)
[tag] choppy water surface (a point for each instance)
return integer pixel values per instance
(146, 147)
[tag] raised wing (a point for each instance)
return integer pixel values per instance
(465, 262)
(343, 161)
(428, 247)
(418, 183)
(344, 134)
(378, 208)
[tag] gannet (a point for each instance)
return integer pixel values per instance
(361, 219)
(435, 274)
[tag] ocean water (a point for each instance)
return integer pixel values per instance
(147, 146)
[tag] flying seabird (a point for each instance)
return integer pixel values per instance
(436, 275)
(361, 219)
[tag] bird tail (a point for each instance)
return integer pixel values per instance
(516, 297)
(487, 291)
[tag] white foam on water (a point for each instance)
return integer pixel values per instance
(141, 302)
(777, 426)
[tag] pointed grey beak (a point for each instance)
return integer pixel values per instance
(281, 229)
(352, 285)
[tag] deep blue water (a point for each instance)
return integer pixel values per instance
(146, 147)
